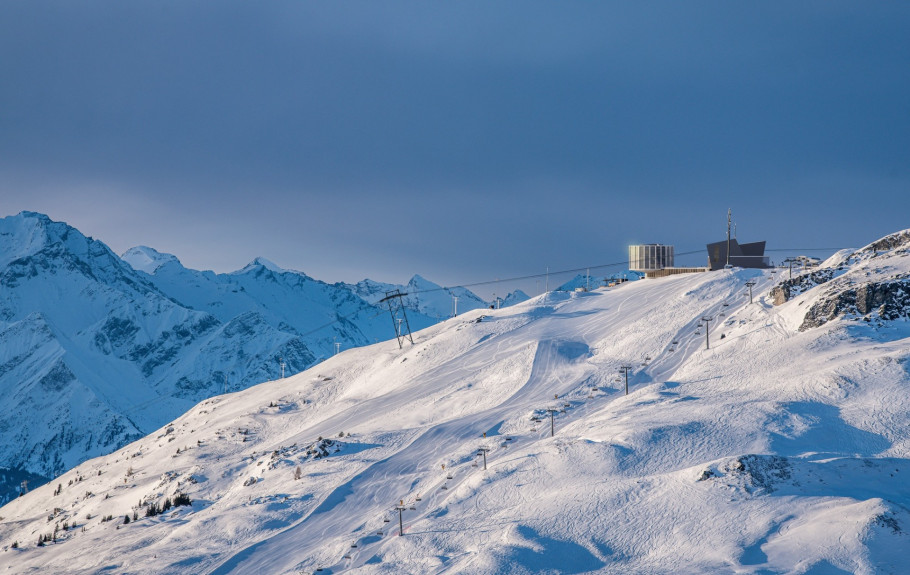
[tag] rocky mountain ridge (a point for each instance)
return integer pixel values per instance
(97, 350)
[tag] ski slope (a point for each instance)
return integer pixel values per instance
(774, 451)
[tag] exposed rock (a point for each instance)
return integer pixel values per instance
(887, 300)
(788, 289)
(888, 243)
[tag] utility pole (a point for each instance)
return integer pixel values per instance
(400, 509)
(552, 413)
(749, 284)
(484, 450)
(707, 331)
(625, 369)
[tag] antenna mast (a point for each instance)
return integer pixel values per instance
(729, 219)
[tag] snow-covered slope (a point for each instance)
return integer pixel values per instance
(777, 450)
(93, 354)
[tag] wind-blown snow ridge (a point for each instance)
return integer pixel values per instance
(774, 451)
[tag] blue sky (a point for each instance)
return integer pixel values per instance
(463, 141)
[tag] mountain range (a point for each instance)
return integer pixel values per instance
(671, 425)
(98, 350)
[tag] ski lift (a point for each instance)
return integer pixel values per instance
(726, 304)
(508, 439)
(567, 405)
(346, 556)
(449, 476)
(379, 533)
(444, 486)
(412, 508)
(697, 333)
(417, 499)
(353, 546)
(675, 341)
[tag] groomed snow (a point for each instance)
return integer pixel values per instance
(774, 451)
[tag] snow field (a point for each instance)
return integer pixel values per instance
(775, 451)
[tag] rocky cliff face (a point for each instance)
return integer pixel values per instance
(867, 285)
(883, 301)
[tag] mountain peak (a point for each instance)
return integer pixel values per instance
(419, 281)
(146, 259)
(28, 233)
(261, 262)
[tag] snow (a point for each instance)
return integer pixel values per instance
(774, 451)
(146, 259)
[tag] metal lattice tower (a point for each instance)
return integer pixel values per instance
(394, 299)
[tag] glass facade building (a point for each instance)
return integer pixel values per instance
(650, 257)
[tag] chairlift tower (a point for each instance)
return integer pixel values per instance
(395, 301)
(400, 509)
(749, 284)
(484, 451)
(552, 413)
(707, 321)
(625, 370)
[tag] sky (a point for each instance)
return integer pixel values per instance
(464, 141)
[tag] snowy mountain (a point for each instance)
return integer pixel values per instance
(782, 448)
(514, 298)
(95, 354)
(428, 298)
(595, 281)
(288, 301)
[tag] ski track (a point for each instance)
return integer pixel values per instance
(474, 381)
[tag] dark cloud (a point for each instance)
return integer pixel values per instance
(458, 140)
